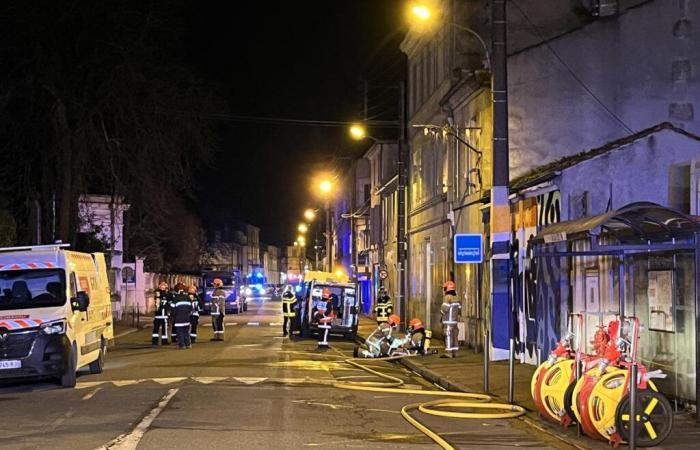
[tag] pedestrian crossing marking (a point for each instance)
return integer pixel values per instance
(209, 380)
(206, 381)
(249, 380)
(168, 380)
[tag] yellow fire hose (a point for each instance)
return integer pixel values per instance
(463, 400)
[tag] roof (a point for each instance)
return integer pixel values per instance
(636, 223)
(548, 170)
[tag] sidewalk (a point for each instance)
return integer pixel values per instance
(465, 373)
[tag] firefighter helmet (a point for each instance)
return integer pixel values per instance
(192, 289)
(217, 282)
(180, 286)
(288, 288)
(162, 285)
(326, 293)
(415, 324)
(449, 286)
(394, 320)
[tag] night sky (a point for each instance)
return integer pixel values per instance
(301, 60)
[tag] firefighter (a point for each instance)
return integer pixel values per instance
(450, 311)
(182, 309)
(160, 320)
(324, 316)
(218, 309)
(196, 309)
(384, 307)
(419, 337)
(379, 343)
(289, 302)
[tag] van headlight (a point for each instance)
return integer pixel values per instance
(55, 327)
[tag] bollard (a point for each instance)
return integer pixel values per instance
(511, 372)
(633, 406)
(486, 361)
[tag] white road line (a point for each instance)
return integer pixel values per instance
(124, 333)
(131, 440)
(88, 396)
(253, 324)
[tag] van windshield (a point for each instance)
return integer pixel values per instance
(37, 288)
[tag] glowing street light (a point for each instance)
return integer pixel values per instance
(303, 228)
(326, 187)
(358, 132)
(421, 12)
(296, 243)
(309, 215)
(301, 240)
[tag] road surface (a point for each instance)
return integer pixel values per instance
(255, 390)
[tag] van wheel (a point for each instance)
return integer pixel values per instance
(98, 365)
(69, 377)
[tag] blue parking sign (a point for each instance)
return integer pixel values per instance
(469, 248)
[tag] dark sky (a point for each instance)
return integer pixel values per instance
(302, 60)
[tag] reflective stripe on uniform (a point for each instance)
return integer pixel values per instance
(183, 304)
(161, 317)
(155, 335)
(193, 335)
(178, 325)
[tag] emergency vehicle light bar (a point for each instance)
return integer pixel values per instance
(34, 247)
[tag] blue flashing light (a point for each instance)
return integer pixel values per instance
(298, 288)
(258, 275)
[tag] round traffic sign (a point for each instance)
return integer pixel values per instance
(383, 274)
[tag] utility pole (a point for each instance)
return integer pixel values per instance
(502, 337)
(329, 236)
(401, 244)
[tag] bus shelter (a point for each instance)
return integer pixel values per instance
(640, 260)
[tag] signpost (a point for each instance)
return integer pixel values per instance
(469, 248)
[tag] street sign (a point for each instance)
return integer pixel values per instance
(383, 274)
(469, 248)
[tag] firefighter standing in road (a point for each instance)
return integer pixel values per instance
(160, 321)
(194, 317)
(324, 316)
(182, 309)
(450, 312)
(218, 309)
(289, 302)
(384, 307)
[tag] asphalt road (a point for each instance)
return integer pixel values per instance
(255, 390)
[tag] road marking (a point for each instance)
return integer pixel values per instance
(131, 441)
(121, 383)
(124, 333)
(249, 380)
(253, 324)
(89, 395)
(275, 324)
(209, 380)
(169, 380)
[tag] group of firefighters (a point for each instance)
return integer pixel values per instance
(384, 341)
(177, 314)
(181, 307)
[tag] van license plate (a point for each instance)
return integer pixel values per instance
(10, 364)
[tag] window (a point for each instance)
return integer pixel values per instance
(416, 181)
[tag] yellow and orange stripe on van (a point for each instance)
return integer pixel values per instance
(25, 266)
(20, 324)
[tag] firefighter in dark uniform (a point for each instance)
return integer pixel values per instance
(450, 312)
(384, 307)
(218, 309)
(289, 302)
(324, 316)
(160, 320)
(196, 309)
(419, 337)
(182, 309)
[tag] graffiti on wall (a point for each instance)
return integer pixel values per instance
(531, 215)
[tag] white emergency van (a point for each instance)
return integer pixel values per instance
(55, 312)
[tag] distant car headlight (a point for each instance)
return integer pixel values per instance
(55, 327)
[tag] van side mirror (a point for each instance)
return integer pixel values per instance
(81, 301)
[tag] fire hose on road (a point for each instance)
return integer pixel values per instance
(478, 406)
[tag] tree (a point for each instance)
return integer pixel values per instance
(95, 98)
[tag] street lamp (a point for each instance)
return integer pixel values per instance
(326, 187)
(310, 215)
(303, 228)
(358, 132)
(421, 17)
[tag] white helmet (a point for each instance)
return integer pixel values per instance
(288, 288)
